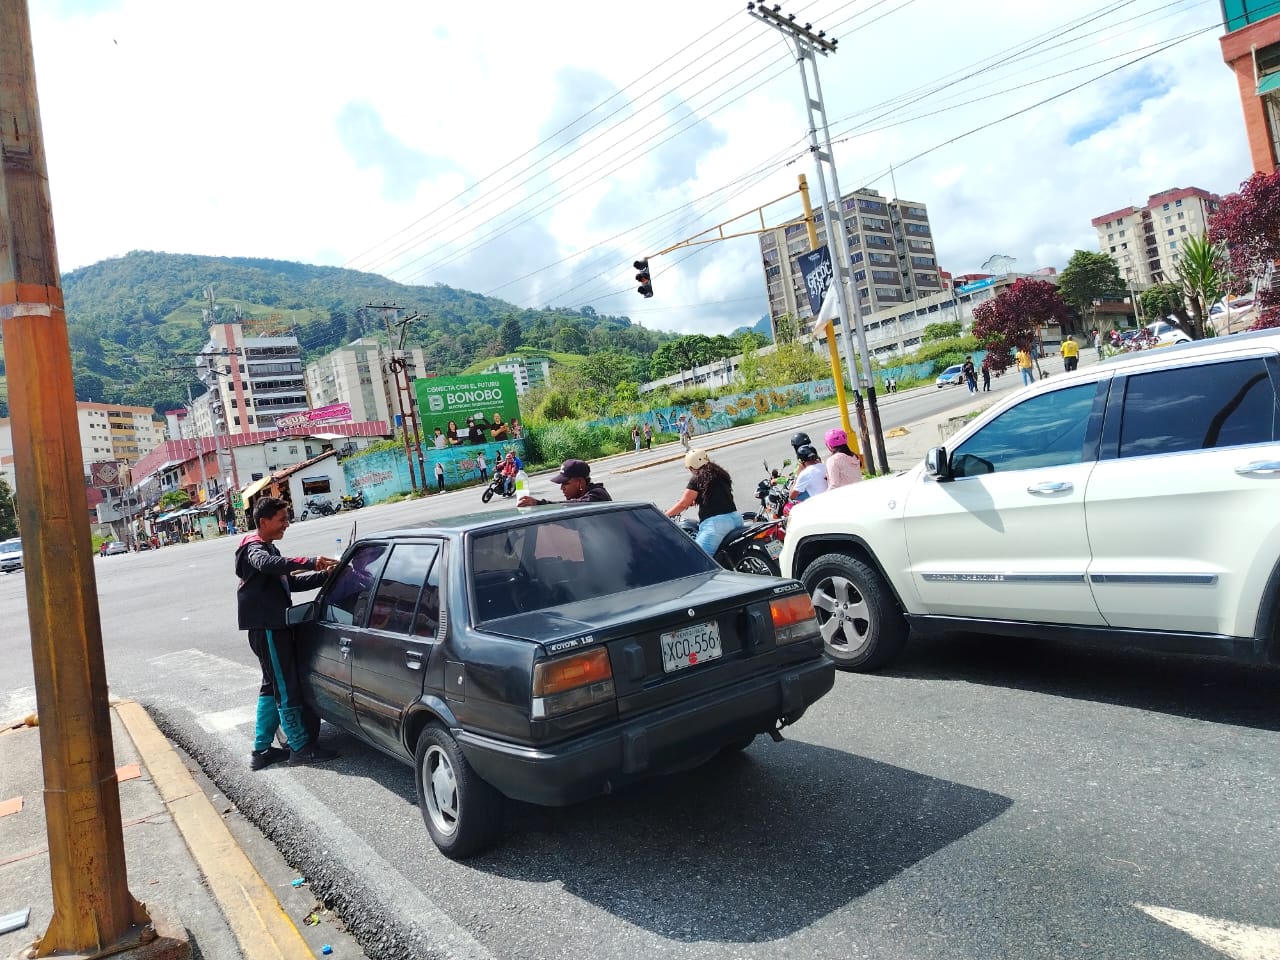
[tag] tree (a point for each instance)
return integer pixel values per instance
(1013, 319)
(792, 363)
(943, 330)
(8, 511)
(1161, 300)
(1201, 269)
(1248, 223)
(749, 374)
(510, 334)
(1087, 277)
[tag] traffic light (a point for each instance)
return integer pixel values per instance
(642, 277)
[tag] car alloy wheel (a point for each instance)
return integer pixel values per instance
(462, 812)
(862, 625)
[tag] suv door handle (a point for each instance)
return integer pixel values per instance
(1259, 466)
(1052, 486)
(413, 659)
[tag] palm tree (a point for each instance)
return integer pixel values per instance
(1201, 269)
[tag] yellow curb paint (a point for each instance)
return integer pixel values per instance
(259, 922)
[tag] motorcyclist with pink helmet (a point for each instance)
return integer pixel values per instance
(843, 466)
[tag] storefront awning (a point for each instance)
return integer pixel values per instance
(1269, 83)
(255, 487)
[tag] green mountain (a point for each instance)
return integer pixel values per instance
(132, 319)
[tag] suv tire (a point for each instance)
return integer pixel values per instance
(462, 812)
(863, 628)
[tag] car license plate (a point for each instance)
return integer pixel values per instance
(775, 548)
(690, 646)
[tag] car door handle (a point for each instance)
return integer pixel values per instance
(413, 659)
(1259, 466)
(1052, 486)
(344, 647)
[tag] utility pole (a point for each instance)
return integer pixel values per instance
(387, 309)
(403, 363)
(808, 45)
(93, 911)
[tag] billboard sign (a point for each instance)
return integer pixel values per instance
(104, 474)
(818, 273)
(333, 413)
(489, 400)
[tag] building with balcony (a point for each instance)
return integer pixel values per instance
(251, 382)
(529, 373)
(890, 249)
(1251, 48)
(1145, 241)
(360, 374)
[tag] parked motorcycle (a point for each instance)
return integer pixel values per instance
(750, 549)
(495, 486)
(318, 507)
(354, 502)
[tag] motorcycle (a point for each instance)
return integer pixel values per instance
(354, 502)
(497, 486)
(772, 492)
(318, 507)
(750, 549)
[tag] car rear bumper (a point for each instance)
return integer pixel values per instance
(596, 763)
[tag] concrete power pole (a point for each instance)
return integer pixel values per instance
(808, 45)
(387, 309)
(93, 911)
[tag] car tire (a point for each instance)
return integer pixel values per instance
(734, 747)
(487, 495)
(863, 628)
(756, 560)
(462, 812)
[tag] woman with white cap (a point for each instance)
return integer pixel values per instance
(711, 489)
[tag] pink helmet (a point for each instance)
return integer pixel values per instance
(836, 438)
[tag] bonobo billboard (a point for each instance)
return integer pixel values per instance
(455, 411)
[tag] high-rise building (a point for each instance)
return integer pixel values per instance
(890, 248)
(252, 382)
(1145, 241)
(1251, 48)
(530, 373)
(359, 374)
(109, 432)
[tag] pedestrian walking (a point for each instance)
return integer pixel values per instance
(267, 582)
(970, 375)
(986, 374)
(635, 438)
(1070, 354)
(1024, 365)
(482, 465)
(683, 429)
(648, 435)
(440, 477)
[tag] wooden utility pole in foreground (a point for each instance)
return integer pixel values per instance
(93, 910)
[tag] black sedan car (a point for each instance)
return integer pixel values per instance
(551, 656)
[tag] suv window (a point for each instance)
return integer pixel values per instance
(1043, 431)
(401, 583)
(1199, 407)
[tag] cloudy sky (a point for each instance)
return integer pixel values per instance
(531, 151)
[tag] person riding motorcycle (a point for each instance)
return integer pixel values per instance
(811, 479)
(510, 466)
(843, 466)
(711, 489)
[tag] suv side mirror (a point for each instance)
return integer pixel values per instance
(300, 613)
(938, 465)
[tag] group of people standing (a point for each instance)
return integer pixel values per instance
(477, 431)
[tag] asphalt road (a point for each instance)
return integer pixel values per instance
(983, 798)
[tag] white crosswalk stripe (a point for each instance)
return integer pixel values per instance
(1239, 941)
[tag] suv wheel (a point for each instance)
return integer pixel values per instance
(463, 813)
(862, 625)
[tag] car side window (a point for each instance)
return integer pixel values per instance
(1046, 430)
(347, 600)
(426, 622)
(1198, 408)
(396, 601)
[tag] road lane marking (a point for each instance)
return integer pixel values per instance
(18, 704)
(196, 668)
(223, 720)
(1239, 941)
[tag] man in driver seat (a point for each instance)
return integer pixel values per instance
(574, 480)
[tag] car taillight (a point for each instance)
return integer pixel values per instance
(571, 683)
(793, 619)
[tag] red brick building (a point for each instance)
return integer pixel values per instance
(1251, 47)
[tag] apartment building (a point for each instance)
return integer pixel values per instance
(108, 432)
(1251, 48)
(1145, 241)
(530, 373)
(252, 382)
(890, 249)
(359, 374)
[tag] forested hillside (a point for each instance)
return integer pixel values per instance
(131, 319)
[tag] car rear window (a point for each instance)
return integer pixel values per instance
(563, 560)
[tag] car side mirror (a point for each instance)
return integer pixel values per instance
(938, 465)
(301, 613)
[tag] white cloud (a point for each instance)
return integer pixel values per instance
(318, 132)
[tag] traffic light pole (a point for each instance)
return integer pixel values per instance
(808, 45)
(93, 911)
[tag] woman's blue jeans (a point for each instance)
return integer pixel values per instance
(713, 530)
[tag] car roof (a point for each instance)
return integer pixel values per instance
(502, 519)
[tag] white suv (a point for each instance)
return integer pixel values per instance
(1136, 502)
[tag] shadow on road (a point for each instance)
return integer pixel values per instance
(748, 848)
(1199, 688)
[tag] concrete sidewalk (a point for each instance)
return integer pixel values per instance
(182, 859)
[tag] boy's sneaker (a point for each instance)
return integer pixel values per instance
(265, 758)
(311, 753)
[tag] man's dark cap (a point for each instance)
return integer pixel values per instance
(572, 468)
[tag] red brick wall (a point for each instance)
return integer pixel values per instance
(1237, 51)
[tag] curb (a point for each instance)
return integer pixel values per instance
(260, 924)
